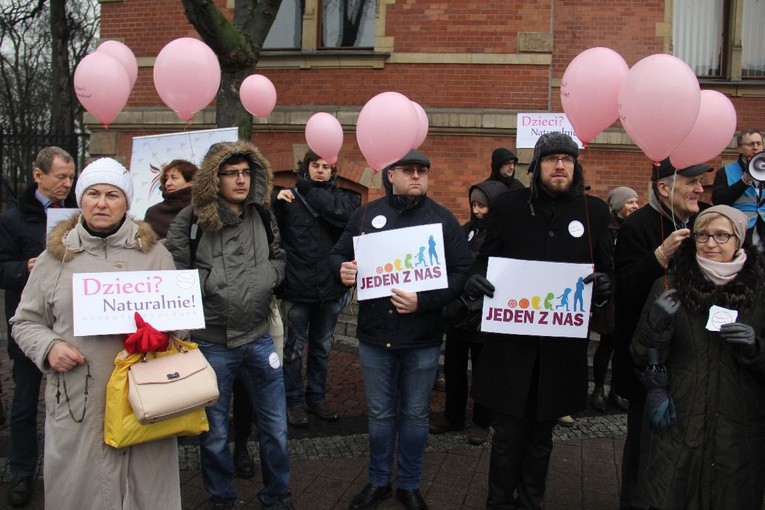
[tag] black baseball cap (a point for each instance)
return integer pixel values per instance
(665, 169)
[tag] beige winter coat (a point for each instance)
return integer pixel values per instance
(80, 471)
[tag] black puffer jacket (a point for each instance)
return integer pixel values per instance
(310, 226)
(713, 457)
(22, 237)
(378, 322)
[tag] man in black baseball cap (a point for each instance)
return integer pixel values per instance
(648, 240)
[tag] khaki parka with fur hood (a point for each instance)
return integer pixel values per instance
(80, 470)
(239, 262)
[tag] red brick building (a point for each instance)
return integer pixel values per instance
(473, 65)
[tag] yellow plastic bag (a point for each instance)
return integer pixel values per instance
(122, 428)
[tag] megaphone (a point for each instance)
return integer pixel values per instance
(756, 167)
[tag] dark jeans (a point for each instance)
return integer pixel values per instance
(520, 456)
(602, 358)
(310, 326)
(458, 350)
(23, 426)
(242, 412)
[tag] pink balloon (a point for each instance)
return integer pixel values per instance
(386, 129)
(324, 135)
(122, 53)
(258, 95)
(102, 85)
(711, 133)
(589, 91)
(422, 132)
(186, 76)
(658, 104)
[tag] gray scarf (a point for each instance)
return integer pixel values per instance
(721, 273)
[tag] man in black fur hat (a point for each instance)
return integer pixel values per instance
(528, 381)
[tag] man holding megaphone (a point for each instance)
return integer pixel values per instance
(740, 184)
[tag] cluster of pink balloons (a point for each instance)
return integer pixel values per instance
(258, 95)
(103, 80)
(186, 76)
(658, 101)
(389, 125)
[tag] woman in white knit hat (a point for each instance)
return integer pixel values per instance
(80, 471)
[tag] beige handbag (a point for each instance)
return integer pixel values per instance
(168, 386)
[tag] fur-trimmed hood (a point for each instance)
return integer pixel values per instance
(70, 237)
(213, 214)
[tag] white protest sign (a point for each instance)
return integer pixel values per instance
(105, 303)
(530, 126)
(719, 316)
(57, 215)
(537, 298)
(151, 152)
(410, 259)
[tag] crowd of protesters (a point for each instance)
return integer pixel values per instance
(663, 275)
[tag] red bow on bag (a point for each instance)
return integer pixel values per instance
(146, 338)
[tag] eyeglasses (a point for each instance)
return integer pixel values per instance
(567, 160)
(753, 144)
(719, 237)
(234, 174)
(411, 169)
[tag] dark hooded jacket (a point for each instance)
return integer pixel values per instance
(499, 157)
(529, 224)
(161, 215)
(713, 457)
(310, 226)
(238, 261)
(22, 237)
(457, 314)
(379, 323)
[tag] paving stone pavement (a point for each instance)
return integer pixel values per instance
(329, 460)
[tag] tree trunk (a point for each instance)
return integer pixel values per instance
(62, 107)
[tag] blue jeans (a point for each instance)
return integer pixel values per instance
(310, 324)
(401, 379)
(258, 366)
(23, 425)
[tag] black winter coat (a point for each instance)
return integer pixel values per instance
(308, 236)
(636, 270)
(553, 371)
(22, 237)
(378, 322)
(713, 457)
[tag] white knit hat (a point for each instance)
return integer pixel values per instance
(105, 171)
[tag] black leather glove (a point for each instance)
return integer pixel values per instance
(662, 310)
(742, 336)
(602, 289)
(478, 286)
(304, 186)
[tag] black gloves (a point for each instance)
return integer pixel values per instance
(742, 336)
(478, 286)
(602, 287)
(662, 310)
(304, 186)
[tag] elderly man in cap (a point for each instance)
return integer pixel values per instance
(528, 381)
(648, 240)
(400, 336)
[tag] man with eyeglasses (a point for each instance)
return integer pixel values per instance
(237, 252)
(400, 336)
(648, 241)
(503, 162)
(734, 186)
(529, 381)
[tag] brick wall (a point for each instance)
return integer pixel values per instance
(430, 41)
